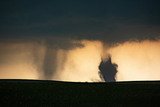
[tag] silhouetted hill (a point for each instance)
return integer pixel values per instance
(53, 93)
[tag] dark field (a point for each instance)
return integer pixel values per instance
(37, 93)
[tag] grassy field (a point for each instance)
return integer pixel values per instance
(54, 93)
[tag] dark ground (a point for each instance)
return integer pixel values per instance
(38, 93)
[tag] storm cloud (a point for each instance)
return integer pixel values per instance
(108, 20)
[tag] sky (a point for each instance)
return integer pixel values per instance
(66, 39)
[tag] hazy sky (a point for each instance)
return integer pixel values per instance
(66, 39)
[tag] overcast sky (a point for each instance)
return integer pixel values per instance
(112, 20)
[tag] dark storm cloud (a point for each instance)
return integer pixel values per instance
(105, 20)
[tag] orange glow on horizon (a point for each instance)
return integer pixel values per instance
(82, 63)
(137, 60)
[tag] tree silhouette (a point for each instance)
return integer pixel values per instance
(108, 70)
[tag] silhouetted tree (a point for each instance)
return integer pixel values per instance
(108, 70)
